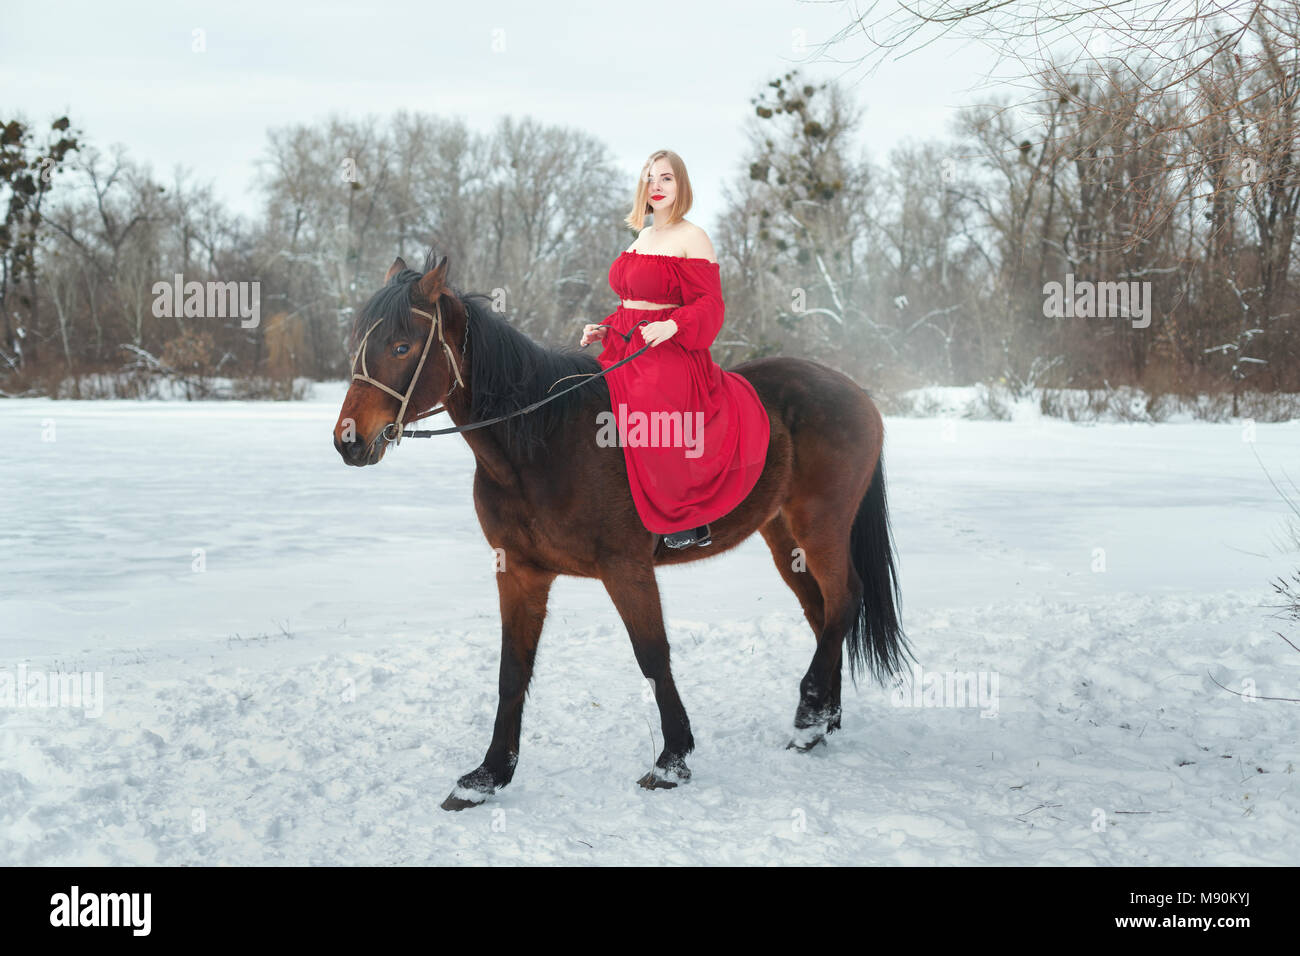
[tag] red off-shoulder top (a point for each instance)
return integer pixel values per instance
(693, 284)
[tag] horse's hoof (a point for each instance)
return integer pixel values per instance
(454, 802)
(462, 798)
(806, 738)
(651, 781)
(666, 778)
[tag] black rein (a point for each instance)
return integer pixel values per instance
(430, 432)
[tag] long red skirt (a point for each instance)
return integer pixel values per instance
(703, 452)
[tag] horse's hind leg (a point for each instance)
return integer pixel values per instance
(795, 573)
(826, 545)
(635, 593)
(794, 569)
(523, 590)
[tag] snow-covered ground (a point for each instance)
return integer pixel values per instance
(299, 658)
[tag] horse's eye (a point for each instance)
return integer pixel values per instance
(401, 349)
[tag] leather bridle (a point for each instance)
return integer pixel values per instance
(435, 326)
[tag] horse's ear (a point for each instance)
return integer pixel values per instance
(434, 279)
(399, 264)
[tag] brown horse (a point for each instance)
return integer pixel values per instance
(555, 501)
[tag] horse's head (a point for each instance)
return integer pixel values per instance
(408, 345)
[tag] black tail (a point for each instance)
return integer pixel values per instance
(876, 639)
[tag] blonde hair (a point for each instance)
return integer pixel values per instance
(641, 203)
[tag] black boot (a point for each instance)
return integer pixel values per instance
(684, 539)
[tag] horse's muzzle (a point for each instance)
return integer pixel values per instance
(360, 453)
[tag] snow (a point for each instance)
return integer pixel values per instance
(312, 694)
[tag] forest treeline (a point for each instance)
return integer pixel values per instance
(1094, 237)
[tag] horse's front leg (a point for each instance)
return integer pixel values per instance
(523, 590)
(635, 594)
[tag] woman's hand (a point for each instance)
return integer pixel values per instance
(591, 333)
(656, 333)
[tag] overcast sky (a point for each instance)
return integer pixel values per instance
(637, 76)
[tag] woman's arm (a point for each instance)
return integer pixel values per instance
(699, 318)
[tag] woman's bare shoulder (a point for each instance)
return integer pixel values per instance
(683, 239)
(697, 244)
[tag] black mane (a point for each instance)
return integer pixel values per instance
(508, 370)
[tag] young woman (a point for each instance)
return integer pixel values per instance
(699, 443)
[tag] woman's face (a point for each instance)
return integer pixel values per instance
(663, 185)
